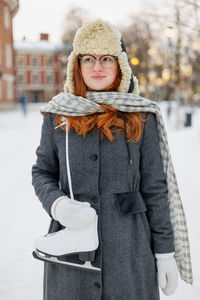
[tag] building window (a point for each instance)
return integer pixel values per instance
(6, 18)
(49, 61)
(35, 78)
(20, 78)
(10, 92)
(20, 60)
(35, 61)
(49, 78)
(8, 56)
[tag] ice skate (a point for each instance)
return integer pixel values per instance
(83, 241)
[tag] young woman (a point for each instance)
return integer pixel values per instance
(116, 166)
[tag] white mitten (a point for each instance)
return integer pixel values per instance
(72, 213)
(167, 272)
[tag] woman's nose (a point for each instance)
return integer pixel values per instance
(97, 66)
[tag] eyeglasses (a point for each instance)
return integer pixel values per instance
(106, 61)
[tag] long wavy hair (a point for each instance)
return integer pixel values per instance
(102, 121)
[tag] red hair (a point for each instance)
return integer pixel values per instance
(102, 121)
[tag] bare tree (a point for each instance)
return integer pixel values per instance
(180, 53)
(138, 37)
(74, 19)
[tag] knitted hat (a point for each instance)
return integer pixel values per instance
(100, 37)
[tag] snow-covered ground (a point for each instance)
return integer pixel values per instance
(22, 218)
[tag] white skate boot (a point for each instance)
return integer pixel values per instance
(84, 241)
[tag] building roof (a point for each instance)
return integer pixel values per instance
(14, 5)
(41, 46)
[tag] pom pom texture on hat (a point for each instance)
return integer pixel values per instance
(97, 37)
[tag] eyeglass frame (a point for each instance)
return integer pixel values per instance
(97, 58)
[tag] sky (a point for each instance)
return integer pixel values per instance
(36, 16)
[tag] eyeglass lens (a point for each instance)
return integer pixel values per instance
(106, 61)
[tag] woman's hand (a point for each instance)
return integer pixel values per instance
(167, 272)
(72, 213)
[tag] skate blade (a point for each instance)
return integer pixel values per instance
(86, 266)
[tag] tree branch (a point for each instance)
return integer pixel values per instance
(192, 3)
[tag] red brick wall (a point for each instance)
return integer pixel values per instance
(6, 37)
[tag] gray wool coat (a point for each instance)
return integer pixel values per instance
(130, 200)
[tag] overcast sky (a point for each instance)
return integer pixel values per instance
(47, 16)
(35, 16)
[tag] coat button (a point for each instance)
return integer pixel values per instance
(94, 199)
(97, 284)
(94, 157)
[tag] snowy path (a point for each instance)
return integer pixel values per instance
(22, 219)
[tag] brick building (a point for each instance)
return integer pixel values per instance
(8, 9)
(40, 68)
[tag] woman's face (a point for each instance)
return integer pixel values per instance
(98, 75)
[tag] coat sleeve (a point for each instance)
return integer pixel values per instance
(45, 172)
(153, 188)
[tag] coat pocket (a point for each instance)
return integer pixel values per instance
(130, 203)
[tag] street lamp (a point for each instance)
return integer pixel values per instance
(135, 61)
(167, 74)
(169, 32)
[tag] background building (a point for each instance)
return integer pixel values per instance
(40, 68)
(8, 9)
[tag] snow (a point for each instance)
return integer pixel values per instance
(23, 219)
(40, 46)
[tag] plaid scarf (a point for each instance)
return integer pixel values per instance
(71, 105)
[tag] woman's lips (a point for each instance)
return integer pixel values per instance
(98, 77)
